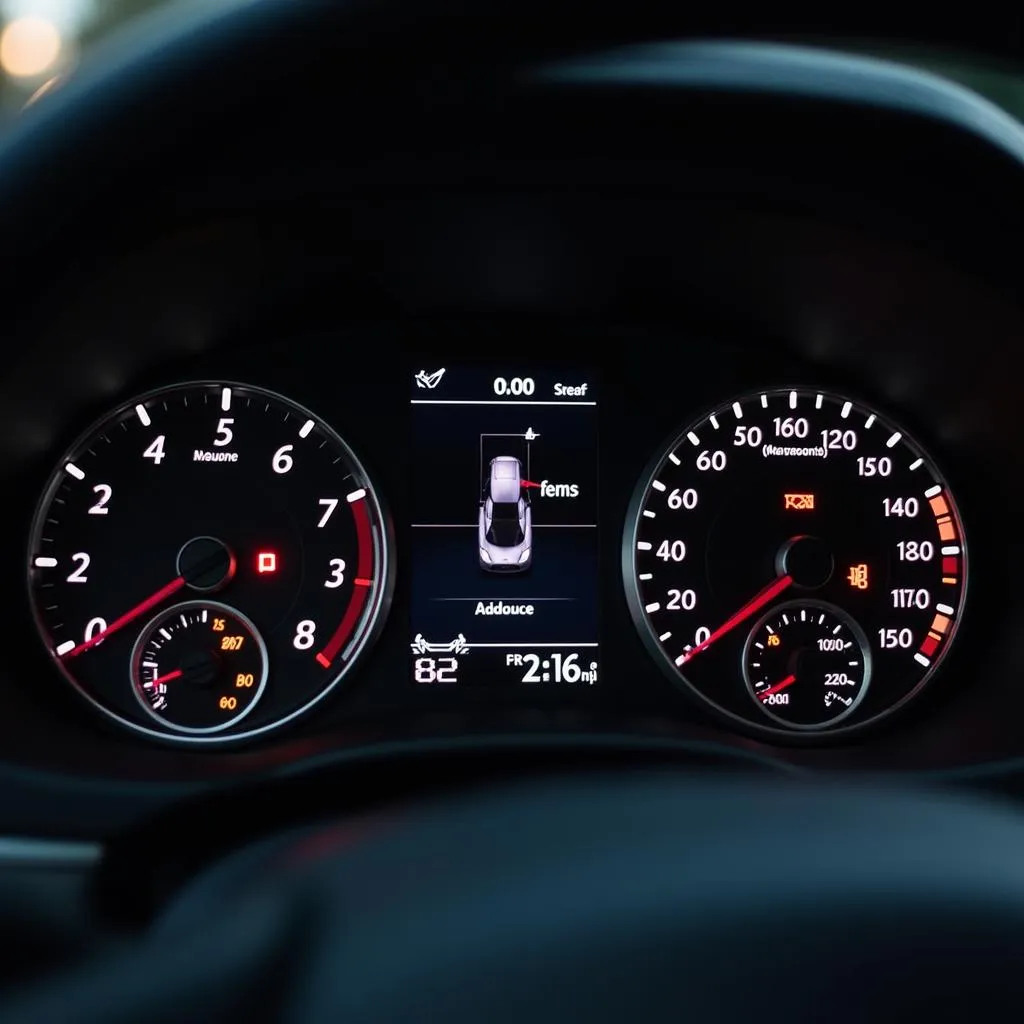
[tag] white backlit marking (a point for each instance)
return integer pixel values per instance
(713, 420)
(657, 485)
(674, 459)
(643, 545)
(165, 634)
(852, 663)
(140, 411)
(917, 465)
(693, 438)
(836, 630)
(355, 495)
(204, 615)
(951, 549)
(665, 636)
(150, 664)
(307, 428)
(74, 471)
(225, 399)
(769, 628)
(818, 401)
(821, 619)
(894, 440)
(792, 399)
(43, 562)
(184, 621)
(945, 609)
(646, 576)
(921, 659)
(654, 606)
(737, 410)
(845, 411)
(649, 514)
(68, 645)
(932, 491)
(785, 619)
(764, 401)
(803, 614)
(869, 422)
(760, 647)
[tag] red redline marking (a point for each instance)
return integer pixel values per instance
(950, 566)
(360, 582)
(929, 647)
(364, 565)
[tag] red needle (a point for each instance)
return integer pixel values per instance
(769, 593)
(788, 681)
(140, 609)
(177, 672)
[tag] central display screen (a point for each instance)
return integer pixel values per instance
(504, 532)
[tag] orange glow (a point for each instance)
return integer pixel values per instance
(947, 531)
(940, 623)
(799, 502)
(29, 47)
(858, 576)
(938, 504)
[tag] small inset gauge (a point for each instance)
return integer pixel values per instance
(807, 664)
(199, 667)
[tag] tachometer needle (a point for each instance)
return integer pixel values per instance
(757, 602)
(176, 674)
(788, 681)
(140, 609)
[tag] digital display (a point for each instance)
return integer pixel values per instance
(504, 527)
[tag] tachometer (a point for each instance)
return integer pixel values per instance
(199, 490)
(800, 535)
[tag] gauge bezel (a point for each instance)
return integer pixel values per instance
(168, 613)
(858, 635)
(374, 614)
(645, 629)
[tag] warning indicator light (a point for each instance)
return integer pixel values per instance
(858, 576)
(266, 562)
(798, 502)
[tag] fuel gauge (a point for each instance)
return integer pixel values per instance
(807, 664)
(199, 667)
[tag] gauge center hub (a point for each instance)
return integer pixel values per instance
(206, 564)
(807, 560)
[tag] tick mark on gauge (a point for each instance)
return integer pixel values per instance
(945, 609)
(649, 514)
(225, 399)
(45, 562)
(693, 438)
(793, 398)
(306, 429)
(356, 495)
(140, 411)
(665, 636)
(894, 440)
(323, 661)
(674, 459)
(657, 485)
(647, 576)
(643, 545)
(764, 401)
(68, 645)
(870, 422)
(360, 582)
(74, 471)
(713, 420)
(845, 411)
(921, 659)
(654, 606)
(932, 491)
(737, 410)
(818, 401)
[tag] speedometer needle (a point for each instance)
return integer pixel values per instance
(130, 616)
(757, 602)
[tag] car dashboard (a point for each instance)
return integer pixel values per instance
(675, 409)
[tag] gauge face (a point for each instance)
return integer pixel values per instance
(209, 490)
(199, 667)
(807, 664)
(795, 495)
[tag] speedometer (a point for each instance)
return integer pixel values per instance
(797, 561)
(208, 562)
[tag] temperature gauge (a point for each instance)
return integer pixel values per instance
(807, 664)
(199, 667)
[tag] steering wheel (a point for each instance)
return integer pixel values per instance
(628, 896)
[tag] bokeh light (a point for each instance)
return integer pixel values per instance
(29, 46)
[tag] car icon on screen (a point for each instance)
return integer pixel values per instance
(505, 531)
